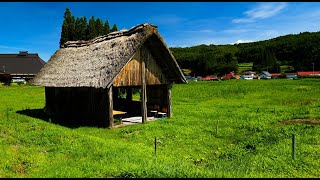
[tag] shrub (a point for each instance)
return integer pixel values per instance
(6, 78)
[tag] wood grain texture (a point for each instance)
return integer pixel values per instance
(130, 74)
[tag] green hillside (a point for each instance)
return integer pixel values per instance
(298, 52)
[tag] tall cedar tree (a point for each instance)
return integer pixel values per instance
(77, 28)
(67, 31)
(106, 28)
(83, 28)
(91, 29)
(114, 28)
(72, 35)
(99, 27)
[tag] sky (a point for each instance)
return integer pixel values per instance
(36, 26)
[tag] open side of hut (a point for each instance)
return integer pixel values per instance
(83, 78)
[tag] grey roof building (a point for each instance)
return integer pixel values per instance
(23, 64)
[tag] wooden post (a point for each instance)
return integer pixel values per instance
(169, 101)
(110, 107)
(143, 95)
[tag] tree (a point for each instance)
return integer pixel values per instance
(67, 32)
(106, 28)
(91, 32)
(99, 27)
(114, 28)
(72, 32)
(77, 28)
(83, 28)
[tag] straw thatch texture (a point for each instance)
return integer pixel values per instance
(97, 62)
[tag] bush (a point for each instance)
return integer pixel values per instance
(6, 78)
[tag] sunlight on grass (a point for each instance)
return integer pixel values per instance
(219, 129)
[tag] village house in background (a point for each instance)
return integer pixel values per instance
(20, 67)
(308, 73)
(291, 75)
(83, 79)
(265, 75)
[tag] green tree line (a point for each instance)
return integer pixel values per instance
(79, 28)
(297, 51)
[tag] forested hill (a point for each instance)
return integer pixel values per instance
(289, 53)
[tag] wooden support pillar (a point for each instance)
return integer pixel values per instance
(143, 94)
(169, 101)
(110, 107)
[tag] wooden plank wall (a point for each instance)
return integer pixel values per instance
(80, 104)
(130, 75)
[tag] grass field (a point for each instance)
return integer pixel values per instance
(219, 129)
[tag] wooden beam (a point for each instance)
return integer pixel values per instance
(110, 107)
(143, 95)
(169, 101)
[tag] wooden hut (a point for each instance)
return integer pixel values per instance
(83, 78)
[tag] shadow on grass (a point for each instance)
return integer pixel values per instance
(70, 122)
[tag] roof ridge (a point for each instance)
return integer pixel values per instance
(109, 36)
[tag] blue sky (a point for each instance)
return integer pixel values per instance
(36, 26)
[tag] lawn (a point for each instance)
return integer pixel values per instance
(231, 128)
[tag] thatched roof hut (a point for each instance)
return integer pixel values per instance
(137, 57)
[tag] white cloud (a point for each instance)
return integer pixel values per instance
(262, 11)
(242, 20)
(9, 47)
(200, 31)
(242, 41)
(238, 30)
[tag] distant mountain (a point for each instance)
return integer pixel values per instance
(289, 53)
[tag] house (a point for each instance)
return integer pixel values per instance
(252, 73)
(83, 79)
(247, 77)
(308, 73)
(291, 75)
(22, 66)
(275, 75)
(265, 75)
(210, 78)
(190, 78)
(231, 75)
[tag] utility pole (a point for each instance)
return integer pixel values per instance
(313, 68)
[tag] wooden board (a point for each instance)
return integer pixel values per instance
(130, 74)
(118, 112)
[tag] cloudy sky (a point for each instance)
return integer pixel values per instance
(36, 26)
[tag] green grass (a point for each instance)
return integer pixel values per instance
(218, 129)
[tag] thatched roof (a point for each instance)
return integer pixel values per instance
(97, 62)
